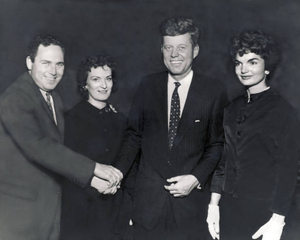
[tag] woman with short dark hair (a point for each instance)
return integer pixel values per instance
(257, 174)
(94, 129)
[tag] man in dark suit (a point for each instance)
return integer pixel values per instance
(176, 125)
(32, 155)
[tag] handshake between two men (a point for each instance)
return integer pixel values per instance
(107, 179)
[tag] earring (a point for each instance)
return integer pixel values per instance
(84, 88)
(267, 72)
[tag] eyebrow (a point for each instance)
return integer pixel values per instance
(248, 60)
(44, 60)
(100, 77)
(252, 59)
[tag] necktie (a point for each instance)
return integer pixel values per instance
(174, 115)
(48, 100)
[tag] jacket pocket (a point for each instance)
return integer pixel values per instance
(18, 191)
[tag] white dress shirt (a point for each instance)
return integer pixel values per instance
(183, 90)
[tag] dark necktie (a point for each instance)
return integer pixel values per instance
(174, 115)
(48, 100)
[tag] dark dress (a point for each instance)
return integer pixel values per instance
(258, 170)
(97, 134)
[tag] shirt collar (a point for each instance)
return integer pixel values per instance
(185, 81)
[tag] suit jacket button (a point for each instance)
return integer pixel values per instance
(106, 149)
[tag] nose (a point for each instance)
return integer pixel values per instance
(103, 84)
(53, 70)
(244, 68)
(174, 53)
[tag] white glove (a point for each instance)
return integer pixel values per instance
(272, 230)
(213, 220)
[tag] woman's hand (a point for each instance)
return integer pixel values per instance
(213, 221)
(213, 216)
(272, 230)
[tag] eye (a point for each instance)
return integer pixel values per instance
(253, 63)
(167, 48)
(60, 64)
(236, 63)
(109, 78)
(95, 79)
(182, 48)
(45, 63)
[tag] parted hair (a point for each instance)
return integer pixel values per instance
(179, 26)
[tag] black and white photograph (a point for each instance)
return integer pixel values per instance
(149, 119)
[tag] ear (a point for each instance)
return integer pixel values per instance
(196, 51)
(267, 72)
(28, 63)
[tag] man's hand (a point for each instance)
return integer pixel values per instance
(213, 221)
(272, 230)
(108, 173)
(181, 186)
(103, 186)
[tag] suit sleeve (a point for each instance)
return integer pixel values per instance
(215, 140)
(20, 119)
(131, 144)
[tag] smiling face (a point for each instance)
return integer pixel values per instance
(250, 70)
(99, 85)
(178, 54)
(48, 67)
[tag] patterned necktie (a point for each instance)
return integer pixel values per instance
(48, 100)
(174, 115)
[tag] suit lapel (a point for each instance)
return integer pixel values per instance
(161, 103)
(190, 108)
(38, 94)
(58, 106)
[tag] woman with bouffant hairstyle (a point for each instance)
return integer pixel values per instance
(257, 174)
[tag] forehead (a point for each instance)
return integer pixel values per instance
(176, 40)
(51, 52)
(104, 70)
(248, 56)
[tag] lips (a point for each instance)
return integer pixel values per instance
(176, 63)
(50, 78)
(102, 91)
(246, 77)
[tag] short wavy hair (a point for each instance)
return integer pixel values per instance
(258, 43)
(45, 40)
(95, 61)
(179, 26)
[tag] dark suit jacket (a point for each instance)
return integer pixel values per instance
(197, 147)
(32, 157)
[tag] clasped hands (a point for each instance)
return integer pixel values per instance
(181, 186)
(107, 179)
